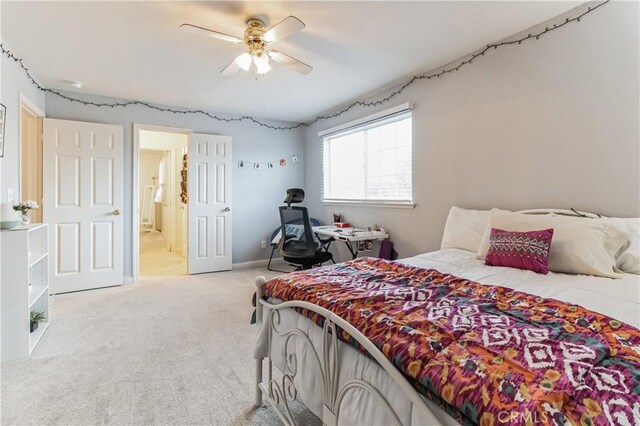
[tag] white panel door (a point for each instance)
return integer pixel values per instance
(82, 203)
(209, 203)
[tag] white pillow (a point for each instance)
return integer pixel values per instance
(579, 245)
(628, 259)
(464, 229)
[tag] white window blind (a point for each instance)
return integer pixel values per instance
(370, 162)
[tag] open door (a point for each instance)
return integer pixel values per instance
(82, 203)
(209, 203)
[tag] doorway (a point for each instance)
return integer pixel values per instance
(199, 226)
(162, 188)
(31, 156)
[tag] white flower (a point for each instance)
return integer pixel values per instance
(25, 206)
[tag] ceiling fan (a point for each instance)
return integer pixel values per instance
(256, 38)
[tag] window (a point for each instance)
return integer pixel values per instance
(370, 162)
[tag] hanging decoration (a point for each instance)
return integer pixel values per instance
(183, 180)
(456, 66)
(257, 165)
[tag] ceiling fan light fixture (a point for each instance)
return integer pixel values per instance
(262, 63)
(256, 40)
(244, 61)
(263, 68)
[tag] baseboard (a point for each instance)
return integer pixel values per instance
(256, 263)
(251, 264)
(127, 280)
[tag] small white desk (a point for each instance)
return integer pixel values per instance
(350, 236)
(347, 235)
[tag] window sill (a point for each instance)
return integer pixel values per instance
(378, 204)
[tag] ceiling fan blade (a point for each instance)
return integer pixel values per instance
(230, 69)
(283, 29)
(293, 63)
(209, 33)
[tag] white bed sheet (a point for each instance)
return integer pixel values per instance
(619, 298)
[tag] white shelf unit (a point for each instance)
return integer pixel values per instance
(25, 287)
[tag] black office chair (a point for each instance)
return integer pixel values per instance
(297, 243)
(324, 242)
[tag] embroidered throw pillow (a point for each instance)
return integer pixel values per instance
(523, 250)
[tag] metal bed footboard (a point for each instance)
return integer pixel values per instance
(283, 392)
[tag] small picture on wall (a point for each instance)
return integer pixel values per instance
(3, 117)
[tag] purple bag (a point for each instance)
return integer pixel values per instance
(386, 251)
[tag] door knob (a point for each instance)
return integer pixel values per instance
(116, 212)
(227, 209)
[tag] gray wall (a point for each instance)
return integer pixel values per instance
(256, 194)
(550, 123)
(14, 81)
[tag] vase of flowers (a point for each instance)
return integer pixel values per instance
(23, 207)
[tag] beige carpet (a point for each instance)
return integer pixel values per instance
(164, 351)
(156, 260)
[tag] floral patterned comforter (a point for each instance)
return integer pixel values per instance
(487, 354)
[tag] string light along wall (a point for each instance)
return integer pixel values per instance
(401, 88)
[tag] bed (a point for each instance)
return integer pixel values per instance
(351, 381)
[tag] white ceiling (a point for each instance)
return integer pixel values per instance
(134, 50)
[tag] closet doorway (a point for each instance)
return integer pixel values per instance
(31, 156)
(162, 202)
